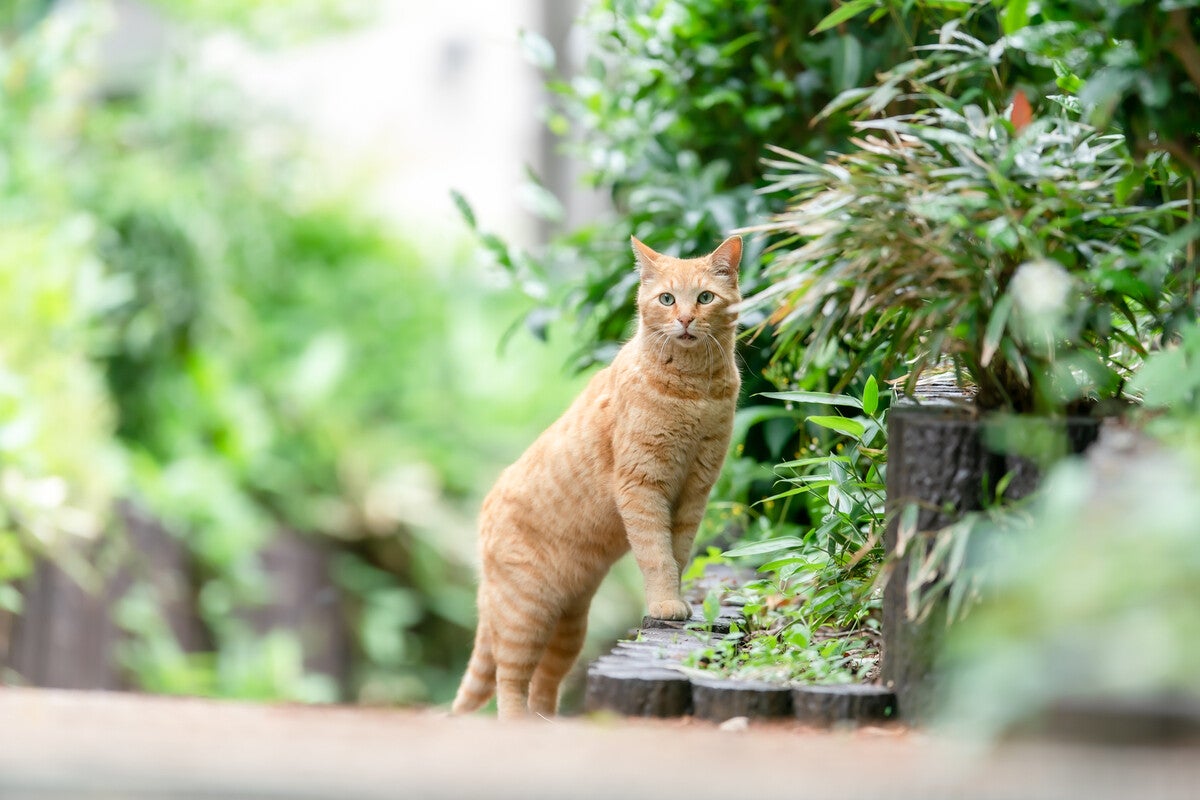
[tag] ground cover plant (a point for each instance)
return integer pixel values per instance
(812, 616)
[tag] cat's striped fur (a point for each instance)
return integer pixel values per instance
(628, 465)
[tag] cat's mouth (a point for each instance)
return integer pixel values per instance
(686, 337)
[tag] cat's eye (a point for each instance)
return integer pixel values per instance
(666, 299)
(705, 298)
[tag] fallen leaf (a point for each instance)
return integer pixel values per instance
(1022, 112)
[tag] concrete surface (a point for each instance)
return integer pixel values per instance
(93, 745)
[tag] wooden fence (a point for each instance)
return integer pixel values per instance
(67, 637)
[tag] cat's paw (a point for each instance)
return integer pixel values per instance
(670, 609)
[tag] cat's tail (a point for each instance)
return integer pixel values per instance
(479, 682)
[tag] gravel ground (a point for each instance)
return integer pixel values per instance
(93, 745)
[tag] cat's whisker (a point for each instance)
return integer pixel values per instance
(666, 342)
(720, 346)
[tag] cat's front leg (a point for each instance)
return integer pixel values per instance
(693, 500)
(683, 530)
(647, 518)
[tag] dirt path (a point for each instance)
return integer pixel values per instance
(56, 744)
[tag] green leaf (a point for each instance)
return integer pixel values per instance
(15, 562)
(499, 249)
(804, 462)
(768, 546)
(1128, 184)
(1104, 91)
(817, 398)
(995, 329)
(843, 13)
(464, 208)
(772, 566)
(10, 599)
(1015, 16)
(777, 433)
(1159, 380)
(843, 100)
(540, 201)
(719, 96)
(870, 399)
(850, 427)
(712, 606)
(748, 417)
(537, 50)
(740, 42)
(849, 70)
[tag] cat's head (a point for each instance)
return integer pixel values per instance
(683, 300)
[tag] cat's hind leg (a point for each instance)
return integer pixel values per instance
(521, 629)
(557, 660)
(479, 682)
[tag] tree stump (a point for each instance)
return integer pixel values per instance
(826, 705)
(948, 461)
(721, 699)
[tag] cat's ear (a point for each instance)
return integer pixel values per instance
(726, 258)
(647, 259)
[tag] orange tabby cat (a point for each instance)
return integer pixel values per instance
(628, 466)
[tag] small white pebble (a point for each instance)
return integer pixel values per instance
(735, 724)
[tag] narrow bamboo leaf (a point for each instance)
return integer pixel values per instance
(768, 546)
(817, 398)
(464, 208)
(740, 42)
(771, 566)
(843, 13)
(788, 493)
(995, 329)
(850, 427)
(804, 462)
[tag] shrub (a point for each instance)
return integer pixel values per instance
(1015, 249)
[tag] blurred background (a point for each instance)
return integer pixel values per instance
(241, 308)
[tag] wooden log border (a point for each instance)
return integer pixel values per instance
(643, 676)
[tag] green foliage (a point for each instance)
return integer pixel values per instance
(949, 233)
(1168, 384)
(1112, 628)
(813, 619)
(1170, 378)
(255, 397)
(188, 320)
(1092, 600)
(20, 14)
(1136, 62)
(669, 115)
(59, 467)
(272, 22)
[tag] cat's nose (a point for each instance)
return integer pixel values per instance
(685, 321)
